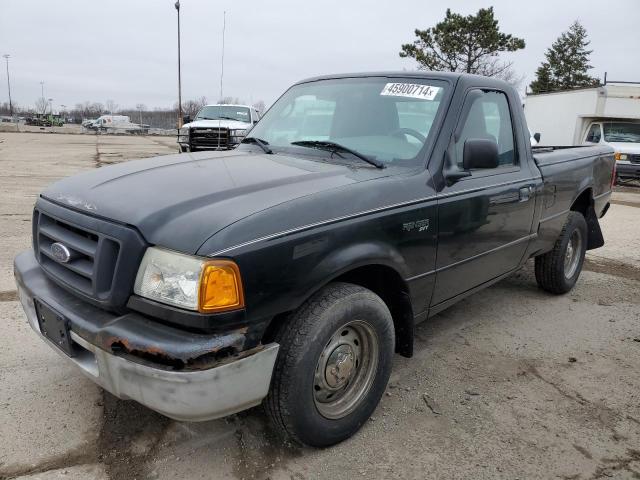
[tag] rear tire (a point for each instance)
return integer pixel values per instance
(557, 271)
(333, 365)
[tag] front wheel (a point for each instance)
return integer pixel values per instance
(557, 271)
(333, 365)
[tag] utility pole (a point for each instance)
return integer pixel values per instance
(177, 5)
(6, 57)
(224, 25)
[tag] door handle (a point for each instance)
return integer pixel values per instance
(525, 193)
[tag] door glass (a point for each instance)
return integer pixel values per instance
(489, 118)
(594, 133)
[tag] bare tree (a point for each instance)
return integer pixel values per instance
(140, 107)
(260, 106)
(5, 108)
(111, 106)
(230, 100)
(96, 109)
(41, 105)
(192, 107)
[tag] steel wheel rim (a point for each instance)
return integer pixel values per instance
(345, 370)
(572, 254)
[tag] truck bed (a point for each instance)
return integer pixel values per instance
(568, 173)
(551, 155)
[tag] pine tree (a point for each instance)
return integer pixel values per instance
(464, 44)
(543, 81)
(567, 63)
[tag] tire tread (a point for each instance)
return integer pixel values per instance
(549, 267)
(292, 338)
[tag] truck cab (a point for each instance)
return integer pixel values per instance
(624, 137)
(217, 127)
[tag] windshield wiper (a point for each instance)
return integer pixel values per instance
(336, 148)
(261, 143)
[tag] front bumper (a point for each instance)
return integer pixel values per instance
(233, 384)
(626, 169)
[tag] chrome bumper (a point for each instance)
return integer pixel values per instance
(182, 395)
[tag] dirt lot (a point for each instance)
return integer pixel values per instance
(510, 383)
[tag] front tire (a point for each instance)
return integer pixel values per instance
(333, 365)
(557, 271)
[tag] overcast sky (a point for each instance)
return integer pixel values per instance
(126, 50)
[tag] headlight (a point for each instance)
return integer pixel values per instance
(238, 133)
(183, 132)
(189, 282)
(620, 156)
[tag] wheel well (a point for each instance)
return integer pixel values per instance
(584, 205)
(390, 287)
(583, 202)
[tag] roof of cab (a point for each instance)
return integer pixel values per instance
(227, 105)
(451, 77)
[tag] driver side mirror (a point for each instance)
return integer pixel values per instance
(186, 119)
(536, 136)
(480, 153)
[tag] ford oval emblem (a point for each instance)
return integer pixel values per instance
(60, 252)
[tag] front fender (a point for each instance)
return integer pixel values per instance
(282, 276)
(337, 263)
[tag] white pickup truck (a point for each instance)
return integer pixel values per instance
(217, 127)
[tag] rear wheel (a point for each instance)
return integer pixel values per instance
(333, 366)
(557, 271)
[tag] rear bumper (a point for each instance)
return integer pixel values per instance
(229, 386)
(626, 169)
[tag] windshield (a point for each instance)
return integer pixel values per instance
(224, 112)
(622, 132)
(388, 120)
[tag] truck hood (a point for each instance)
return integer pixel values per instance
(625, 147)
(179, 201)
(231, 124)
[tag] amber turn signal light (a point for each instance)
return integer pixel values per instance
(220, 287)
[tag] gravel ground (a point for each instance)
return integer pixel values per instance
(510, 383)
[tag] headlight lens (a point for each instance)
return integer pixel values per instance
(620, 156)
(238, 133)
(189, 282)
(183, 132)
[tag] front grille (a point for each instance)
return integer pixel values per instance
(635, 158)
(209, 138)
(92, 261)
(103, 259)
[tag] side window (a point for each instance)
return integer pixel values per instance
(489, 118)
(594, 133)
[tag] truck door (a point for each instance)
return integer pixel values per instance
(593, 135)
(484, 219)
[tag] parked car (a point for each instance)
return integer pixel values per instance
(115, 124)
(605, 115)
(289, 270)
(217, 127)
